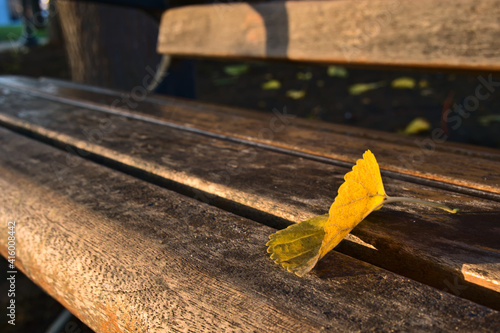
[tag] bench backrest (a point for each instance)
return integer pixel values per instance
(461, 35)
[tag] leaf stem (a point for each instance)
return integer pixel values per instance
(422, 202)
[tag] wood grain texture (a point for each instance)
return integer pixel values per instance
(455, 252)
(444, 35)
(125, 255)
(434, 160)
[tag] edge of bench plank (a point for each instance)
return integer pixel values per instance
(126, 255)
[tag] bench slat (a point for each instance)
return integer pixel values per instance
(126, 255)
(436, 164)
(433, 247)
(409, 34)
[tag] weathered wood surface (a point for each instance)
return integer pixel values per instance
(125, 255)
(459, 253)
(468, 167)
(445, 35)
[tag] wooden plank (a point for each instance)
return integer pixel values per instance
(447, 251)
(126, 255)
(409, 34)
(415, 159)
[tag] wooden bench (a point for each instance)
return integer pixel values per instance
(155, 218)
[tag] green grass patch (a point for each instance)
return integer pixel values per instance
(14, 32)
(10, 32)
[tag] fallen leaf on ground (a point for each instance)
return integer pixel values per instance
(337, 71)
(359, 88)
(296, 94)
(422, 84)
(403, 83)
(417, 125)
(299, 247)
(487, 120)
(236, 70)
(304, 76)
(271, 84)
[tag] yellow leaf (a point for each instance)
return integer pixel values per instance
(359, 88)
(361, 193)
(272, 84)
(417, 125)
(403, 83)
(296, 94)
(336, 71)
(422, 84)
(489, 119)
(304, 76)
(236, 70)
(300, 246)
(297, 247)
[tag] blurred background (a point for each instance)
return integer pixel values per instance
(112, 46)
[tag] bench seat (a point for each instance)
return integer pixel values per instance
(157, 215)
